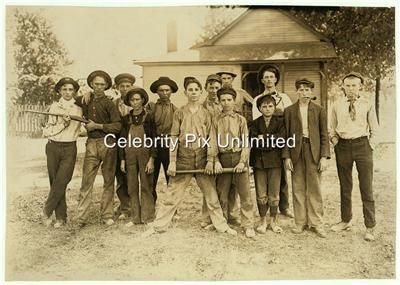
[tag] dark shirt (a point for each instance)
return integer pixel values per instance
(163, 111)
(103, 111)
(267, 156)
(147, 120)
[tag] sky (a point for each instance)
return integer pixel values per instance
(111, 38)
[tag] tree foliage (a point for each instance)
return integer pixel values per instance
(39, 58)
(218, 18)
(363, 37)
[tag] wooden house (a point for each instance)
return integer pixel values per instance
(259, 36)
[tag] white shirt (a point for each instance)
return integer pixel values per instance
(55, 128)
(304, 119)
(282, 101)
(365, 123)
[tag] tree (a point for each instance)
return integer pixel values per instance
(218, 18)
(39, 59)
(364, 40)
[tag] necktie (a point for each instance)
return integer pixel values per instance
(352, 109)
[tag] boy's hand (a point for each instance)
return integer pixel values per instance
(239, 168)
(171, 168)
(67, 120)
(322, 165)
(122, 166)
(149, 166)
(288, 164)
(91, 126)
(209, 168)
(334, 141)
(218, 168)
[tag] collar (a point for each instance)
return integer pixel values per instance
(230, 114)
(273, 93)
(354, 99)
(163, 102)
(211, 101)
(66, 104)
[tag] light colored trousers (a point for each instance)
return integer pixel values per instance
(306, 183)
(174, 195)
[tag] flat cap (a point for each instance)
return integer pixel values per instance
(163, 80)
(124, 77)
(226, 90)
(190, 79)
(354, 74)
(271, 68)
(102, 74)
(66, 80)
(264, 97)
(227, 72)
(214, 77)
(136, 90)
(303, 81)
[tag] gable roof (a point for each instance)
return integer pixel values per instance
(258, 24)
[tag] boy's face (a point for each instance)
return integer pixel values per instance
(164, 91)
(123, 87)
(226, 79)
(136, 101)
(67, 91)
(193, 92)
(267, 109)
(227, 102)
(352, 87)
(212, 88)
(304, 92)
(269, 79)
(98, 84)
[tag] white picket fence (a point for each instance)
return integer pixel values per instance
(23, 123)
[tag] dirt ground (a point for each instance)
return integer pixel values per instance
(187, 252)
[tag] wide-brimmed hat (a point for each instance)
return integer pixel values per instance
(66, 80)
(136, 90)
(100, 73)
(163, 80)
(269, 67)
(124, 77)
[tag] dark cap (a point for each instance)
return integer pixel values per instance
(124, 77)
(263, 98)
(66, 80)
(136, 90)
(213, 77)
(227, 72)
(163, 80)
(354, 74)
(304, 81)
(226, 90)
(190, 79)
(102, 74)
(271, 68)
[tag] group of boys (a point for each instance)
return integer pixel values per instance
(224, 175)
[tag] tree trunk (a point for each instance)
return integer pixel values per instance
(377, 94)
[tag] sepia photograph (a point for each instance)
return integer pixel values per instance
(200, 142)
